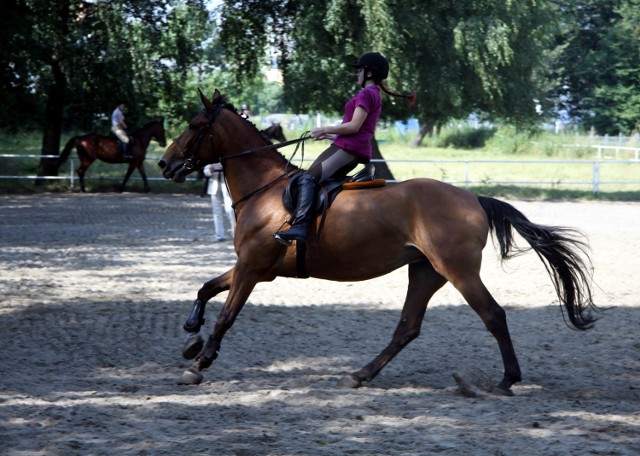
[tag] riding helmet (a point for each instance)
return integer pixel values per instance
(375, 62)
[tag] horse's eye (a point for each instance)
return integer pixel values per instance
(193, 126)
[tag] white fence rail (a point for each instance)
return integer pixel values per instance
(71, 176)
(596, 182)
(616, 149)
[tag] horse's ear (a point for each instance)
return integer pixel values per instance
(216, 95)
(205, 101)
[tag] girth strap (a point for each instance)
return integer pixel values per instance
(301, 260)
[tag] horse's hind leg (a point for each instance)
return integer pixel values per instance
(423, 283)
(85, 161)
(193, 343)
(495, 320)
(82, 170)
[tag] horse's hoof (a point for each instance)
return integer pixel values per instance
(190, 377)
(349, 381)
(499, 390)
(192, 346)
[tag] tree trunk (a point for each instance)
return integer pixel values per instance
(382, 170)
(52, 125)
(55, 98)
(425, 129)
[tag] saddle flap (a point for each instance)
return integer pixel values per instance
(329, 189)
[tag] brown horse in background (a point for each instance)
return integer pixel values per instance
(438, 230)
(94, 147)
(274, 132)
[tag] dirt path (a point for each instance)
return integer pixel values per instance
(94, 290)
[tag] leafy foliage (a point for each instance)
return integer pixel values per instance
(88, 55)
(596, 64)
(458, 56)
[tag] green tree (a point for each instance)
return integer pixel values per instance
(459, 57)
(75, 59)
(616, 98)
(17, 105)
(595, 66)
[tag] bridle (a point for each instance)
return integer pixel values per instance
(191, 164)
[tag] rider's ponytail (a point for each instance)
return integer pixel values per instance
(411, 96)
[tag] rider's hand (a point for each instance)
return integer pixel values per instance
(320, 133)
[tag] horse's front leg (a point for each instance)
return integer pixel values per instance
(143, 174)
(193, 343)
(238, 294)
(127, 176)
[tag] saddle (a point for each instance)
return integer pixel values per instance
(325, 195)
(122, 147)
(329, 189)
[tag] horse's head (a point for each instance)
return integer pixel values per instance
(159, 133)
(274, 132)
(194, 147)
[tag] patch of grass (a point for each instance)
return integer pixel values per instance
(508, 165)
(537, 193)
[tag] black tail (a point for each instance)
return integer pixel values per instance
(561, 250)
(67, 150)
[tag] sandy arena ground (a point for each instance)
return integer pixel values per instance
(94, 290)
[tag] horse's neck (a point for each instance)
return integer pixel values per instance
(144, 137)
(248, 173)
(249, 178)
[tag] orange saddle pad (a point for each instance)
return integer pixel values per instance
(366, 184)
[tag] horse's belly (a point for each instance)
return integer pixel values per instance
(350, 264)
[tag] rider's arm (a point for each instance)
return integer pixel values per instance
(345, 129)
(121, 121)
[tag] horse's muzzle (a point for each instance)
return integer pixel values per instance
(174, 170)
(181, 175)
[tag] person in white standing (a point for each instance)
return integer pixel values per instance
(220, 199)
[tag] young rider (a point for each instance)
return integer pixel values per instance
(351, 142)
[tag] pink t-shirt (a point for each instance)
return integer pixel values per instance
(358, 144)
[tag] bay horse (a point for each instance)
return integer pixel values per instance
(274, 132)
(92, 147)
(437, 229)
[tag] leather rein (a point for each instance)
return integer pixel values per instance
(190, 164)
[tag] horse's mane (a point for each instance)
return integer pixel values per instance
(224, 101)
(152, 121)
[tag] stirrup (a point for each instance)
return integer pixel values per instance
(295, 233)
(282, 240)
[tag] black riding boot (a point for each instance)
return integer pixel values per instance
(303, 214)
(127, 150)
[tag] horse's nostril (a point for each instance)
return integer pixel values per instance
(162, 164)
